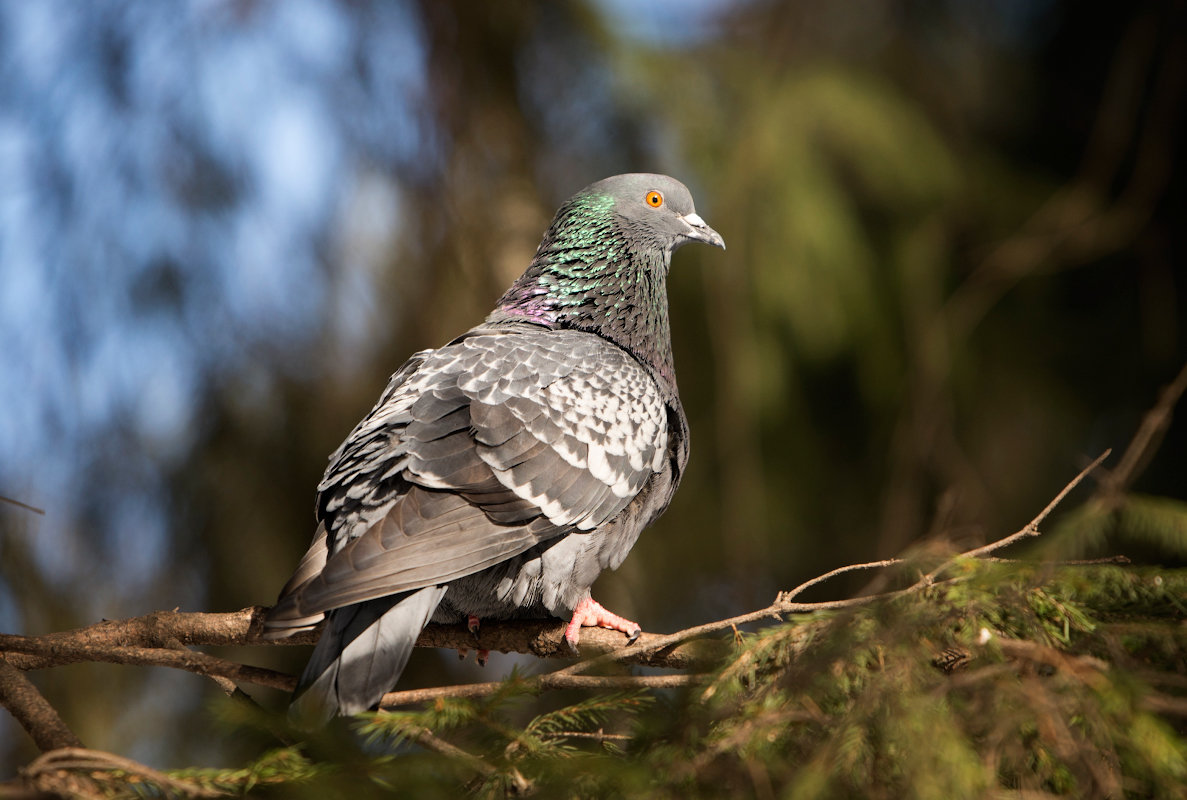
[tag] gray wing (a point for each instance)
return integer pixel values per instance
(475, 453)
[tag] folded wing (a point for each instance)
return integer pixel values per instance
(475, 453)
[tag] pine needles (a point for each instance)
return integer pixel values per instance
(1068, 683)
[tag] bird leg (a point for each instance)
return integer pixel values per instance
(481, 655)
(590, 614)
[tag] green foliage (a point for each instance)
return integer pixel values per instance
(559, 726)
(1008, 677)
(282, 765)
(1155, 525)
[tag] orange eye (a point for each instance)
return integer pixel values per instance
(655, 199)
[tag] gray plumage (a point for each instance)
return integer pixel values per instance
(499, 475)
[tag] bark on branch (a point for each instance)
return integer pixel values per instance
(32, 710)
(163, 638)
(151, 640)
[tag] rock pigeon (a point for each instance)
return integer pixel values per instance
(498, 475)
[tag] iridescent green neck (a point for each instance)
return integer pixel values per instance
(588, 274)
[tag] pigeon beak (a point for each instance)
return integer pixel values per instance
(698, 231)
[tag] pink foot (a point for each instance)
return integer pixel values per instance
(472, 624)
(590, 614)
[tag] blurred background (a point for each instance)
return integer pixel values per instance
(955, 273)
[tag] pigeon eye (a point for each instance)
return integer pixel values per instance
(655, 199)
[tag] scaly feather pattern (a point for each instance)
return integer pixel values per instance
(499, 475)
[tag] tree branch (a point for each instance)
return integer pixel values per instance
(154, 638)
(427, 739)
(784, 605)
(79, 772)
(550, 680)
(32, 710)
(162, 639)
(61, 650)
(1147, 438)
(1030, 529)
(19, 504)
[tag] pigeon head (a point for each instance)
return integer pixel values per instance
(654, 211)
(603, 263)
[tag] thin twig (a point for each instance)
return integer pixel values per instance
(227, 685)
(889, 562)
(1031, 528)
(1075, 562)
(783, 606)
(598, 735)
(550, 680)
(426, 738)
(1149, 435)
(25, 506)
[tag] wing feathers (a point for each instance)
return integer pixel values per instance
(428, 430)
(477, 452)
(494, 424)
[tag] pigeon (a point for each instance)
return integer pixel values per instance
(497, 476)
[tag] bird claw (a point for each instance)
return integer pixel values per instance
(591, 614)
(480, 655)
(462, 652)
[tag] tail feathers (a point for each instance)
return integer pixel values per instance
(360, 655)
